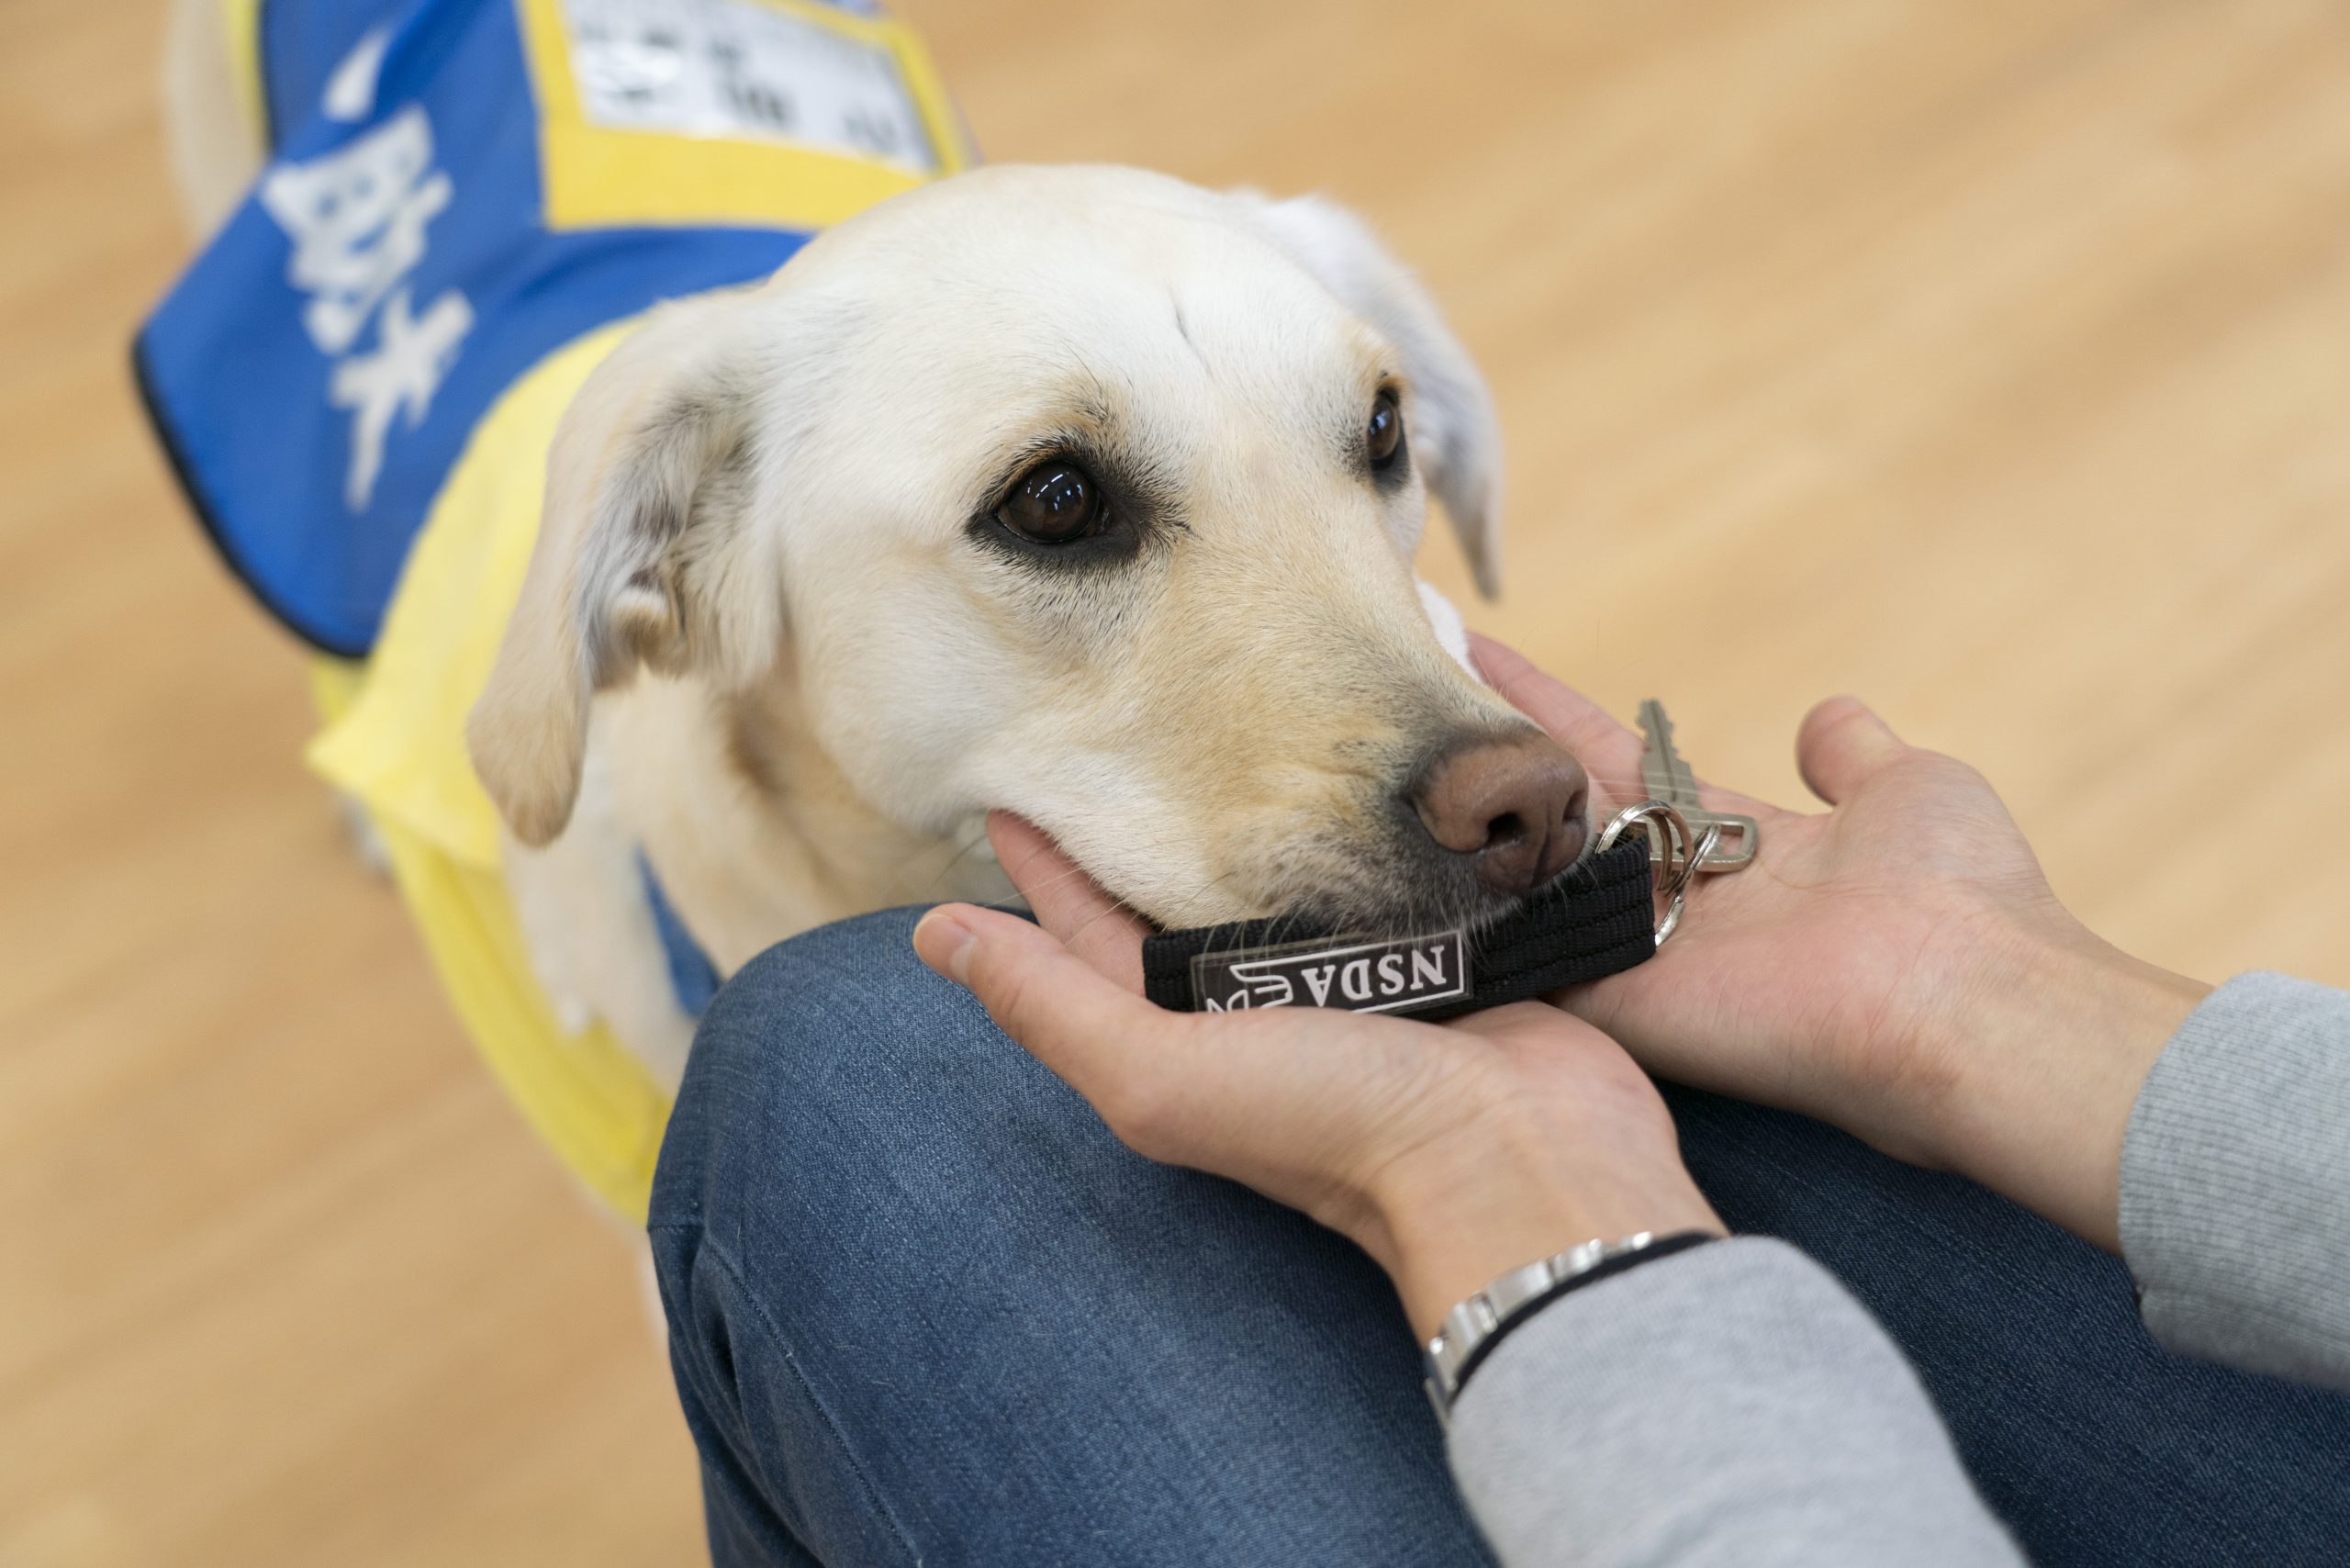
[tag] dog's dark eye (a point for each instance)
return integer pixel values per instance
(1055, 503)
(1383, 436)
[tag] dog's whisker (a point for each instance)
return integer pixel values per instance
(1075, 873)
(1175, 921)
(955, 860)
(1104, 913)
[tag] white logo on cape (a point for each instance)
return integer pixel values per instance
(357, 217)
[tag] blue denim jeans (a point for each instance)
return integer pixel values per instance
(925, 1308)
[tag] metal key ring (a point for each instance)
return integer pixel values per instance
(1659, 818)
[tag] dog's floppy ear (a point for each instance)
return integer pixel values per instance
(643, 556)
(1453, 432)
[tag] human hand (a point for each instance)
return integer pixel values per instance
(1897, 966)
(1450, 1153)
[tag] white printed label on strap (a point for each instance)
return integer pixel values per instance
(1402, 974)
(742, 69)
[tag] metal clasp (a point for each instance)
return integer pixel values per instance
(1676, 850)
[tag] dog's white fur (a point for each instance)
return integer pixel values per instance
(769, 637)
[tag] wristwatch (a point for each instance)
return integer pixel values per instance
(1472, 1329)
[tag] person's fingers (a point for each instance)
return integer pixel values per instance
(1075, 1020)
(1566, 714)
(1142, 1069)
(1840, 744)
(1608, 751)
(1069, 903)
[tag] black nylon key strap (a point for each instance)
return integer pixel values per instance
(1597, 920)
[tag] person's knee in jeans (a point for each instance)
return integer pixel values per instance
(920, 1297)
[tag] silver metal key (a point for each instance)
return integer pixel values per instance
(1668, 778)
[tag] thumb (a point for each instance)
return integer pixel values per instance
(1841, 745)
(1086, 1027)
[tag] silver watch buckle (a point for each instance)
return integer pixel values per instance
(1474, 1320)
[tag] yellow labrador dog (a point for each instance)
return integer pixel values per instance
(1079, 492)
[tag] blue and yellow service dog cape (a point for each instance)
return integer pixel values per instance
(466, 203)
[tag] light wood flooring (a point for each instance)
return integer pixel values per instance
(1991, 360)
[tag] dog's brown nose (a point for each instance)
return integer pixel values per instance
(1515, 805)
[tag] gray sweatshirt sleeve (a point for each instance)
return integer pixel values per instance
(2235, 1182)
(1729, 1405)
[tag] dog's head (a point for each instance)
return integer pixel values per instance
(1079, 492)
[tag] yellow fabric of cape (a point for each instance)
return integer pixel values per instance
(394, 740)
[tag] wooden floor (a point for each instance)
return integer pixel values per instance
(1991, 360)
